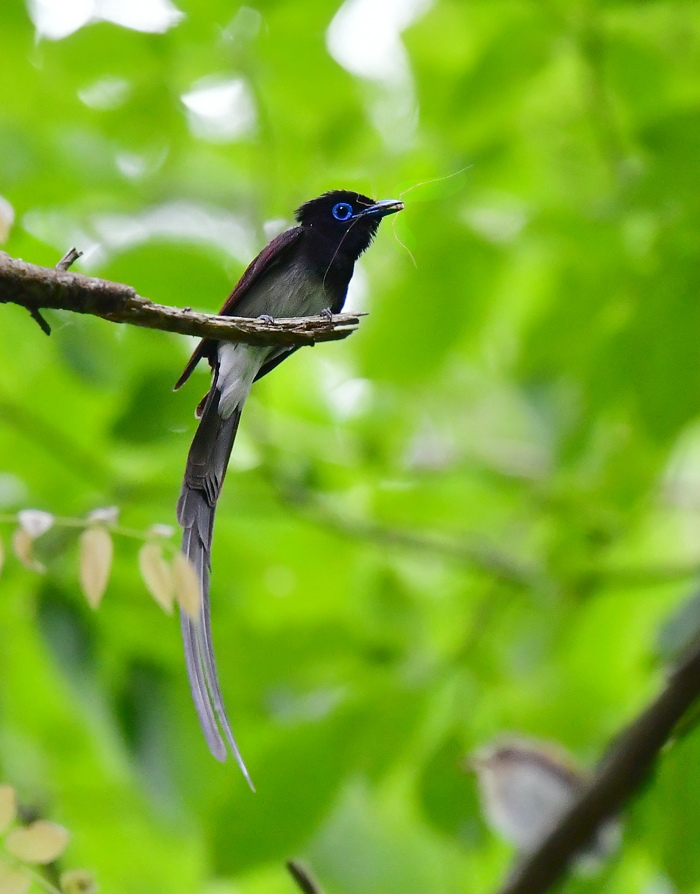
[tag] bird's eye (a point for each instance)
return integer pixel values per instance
(342, 211)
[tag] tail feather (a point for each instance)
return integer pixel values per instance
(204, 476)
(215, 691)
(193, 662)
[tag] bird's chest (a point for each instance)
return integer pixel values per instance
(306, 295)
(293, 291)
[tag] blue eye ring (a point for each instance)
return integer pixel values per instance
(342, 211)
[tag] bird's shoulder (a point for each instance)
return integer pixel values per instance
(269, 257)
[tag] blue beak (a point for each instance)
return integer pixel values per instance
(381, 209)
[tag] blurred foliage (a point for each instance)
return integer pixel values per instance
(473, 517)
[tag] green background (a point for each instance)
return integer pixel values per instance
(475, 516)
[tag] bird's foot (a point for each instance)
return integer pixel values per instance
(327, 314)
(266, 318)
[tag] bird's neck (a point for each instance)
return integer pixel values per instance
(325, 258)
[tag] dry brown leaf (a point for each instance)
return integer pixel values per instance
(157, 575)
(8, 806)
(95, 563)
(78, 881)
(40, 842)
(186, 584)
(12, 880)
(23, 547)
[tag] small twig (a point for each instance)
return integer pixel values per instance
(487, 559)
(620, 775)
(83, 523)
(646, 575)
(34, 287)
(37, 317)
(302, 876)
(38, 878)
(70, 257)
(503, 567)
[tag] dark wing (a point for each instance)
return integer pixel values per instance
(274, 361)
(268, 259)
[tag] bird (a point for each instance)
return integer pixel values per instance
(304, 271)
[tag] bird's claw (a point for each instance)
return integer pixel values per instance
(266, 318)
(327, 314)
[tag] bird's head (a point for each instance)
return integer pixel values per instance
(346, 217)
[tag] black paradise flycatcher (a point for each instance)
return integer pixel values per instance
(302, 272)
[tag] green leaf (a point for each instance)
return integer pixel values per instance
(298, 777)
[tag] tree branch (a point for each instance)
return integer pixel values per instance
(480, 556)
(37, 287)
(619, 776)
(646, 575)
(312, 506)
(302, 876)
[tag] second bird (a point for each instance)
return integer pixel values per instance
(303, 272)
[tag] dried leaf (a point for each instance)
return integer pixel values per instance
(78, 881)
(108, 515)
(13, 881)
(7, 218)
(35, 521)
(8, 806)
(95, 563)
(41, 842)
(157, 575)
(186, 584)
(23, 546)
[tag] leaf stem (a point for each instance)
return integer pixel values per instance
(68, 522)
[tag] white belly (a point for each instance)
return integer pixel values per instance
(238, 367)
(292, 295)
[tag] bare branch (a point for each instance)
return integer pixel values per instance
(70, 257)
(37, 287)
(39, 320)
(468, 551)
(499, 565)
(646, 575)
(302, 876)
(620, 775)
